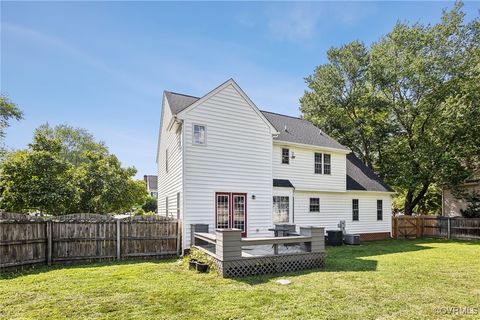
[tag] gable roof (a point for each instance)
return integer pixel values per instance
(301, 131)
(179, 102)
(298, 130)
(362, 178)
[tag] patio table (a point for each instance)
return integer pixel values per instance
(276, 232)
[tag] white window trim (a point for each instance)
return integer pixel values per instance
(309, 204)
(281, 156)
(193, 134)
(289, 208)
(323, 163)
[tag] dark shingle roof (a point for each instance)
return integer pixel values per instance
(283, 183)
(178, 101)
(298, 130)
(360, 177)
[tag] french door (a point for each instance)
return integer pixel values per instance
(231, 211)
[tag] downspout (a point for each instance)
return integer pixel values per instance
(182, 213)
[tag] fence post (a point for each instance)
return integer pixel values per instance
(118, 240)
(179, 237)
(448, 229)
(49, 242)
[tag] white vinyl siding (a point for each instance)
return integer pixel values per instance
(169, 175)
(301, 170)
(338, 206)
(237, 158)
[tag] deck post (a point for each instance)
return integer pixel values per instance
(119, 240)
(229, 244)
(318, 237)
(448, 228)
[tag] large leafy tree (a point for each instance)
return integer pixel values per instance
(107, 187)
(75, 142)
(8, 111)
(64, 171)
(37, 179)
(408, 105)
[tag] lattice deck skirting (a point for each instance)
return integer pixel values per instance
(245, 267)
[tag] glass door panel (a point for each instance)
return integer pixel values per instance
(238, 220)
(223, 210)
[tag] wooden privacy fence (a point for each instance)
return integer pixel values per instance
(436, 226)
(27, 240)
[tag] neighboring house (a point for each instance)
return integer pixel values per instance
(451, 205)
(223, 162)
(152, 185)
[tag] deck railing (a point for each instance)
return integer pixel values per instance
(237, 256)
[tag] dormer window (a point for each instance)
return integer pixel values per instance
(199, 134)
(285, 156)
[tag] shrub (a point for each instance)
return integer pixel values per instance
(473, 207)
(139, 212)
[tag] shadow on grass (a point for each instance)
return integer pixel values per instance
(41, 268)
(352, 258)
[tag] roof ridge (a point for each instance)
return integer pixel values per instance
(182, 94)
(284, 115)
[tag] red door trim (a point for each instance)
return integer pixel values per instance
(231, 196)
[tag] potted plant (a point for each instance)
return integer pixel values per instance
(192, 264)
(202, 266)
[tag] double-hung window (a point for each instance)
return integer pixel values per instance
(280, 209)
(322, 163)
(314, 204)
(199, 134)
(318, 163)
(379, 209)
(285, 156)
(355, 209)
(326, 163)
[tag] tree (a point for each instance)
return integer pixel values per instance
(36, 179)
(150, 204)
(75, 142)
(408, 105)
(107, 187)
(55, 180)
(8, 110)
(473, 205)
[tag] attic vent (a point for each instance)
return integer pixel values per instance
(285, 129)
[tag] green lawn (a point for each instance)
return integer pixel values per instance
(395, 279)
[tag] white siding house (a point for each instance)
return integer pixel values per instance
(223, 162)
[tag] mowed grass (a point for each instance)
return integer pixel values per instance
(394, 279)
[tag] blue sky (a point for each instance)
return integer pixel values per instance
(103, 66)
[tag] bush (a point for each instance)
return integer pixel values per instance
(150, 204)
(139, 212)
(473, 207)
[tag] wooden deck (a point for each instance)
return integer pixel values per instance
(235, 256)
